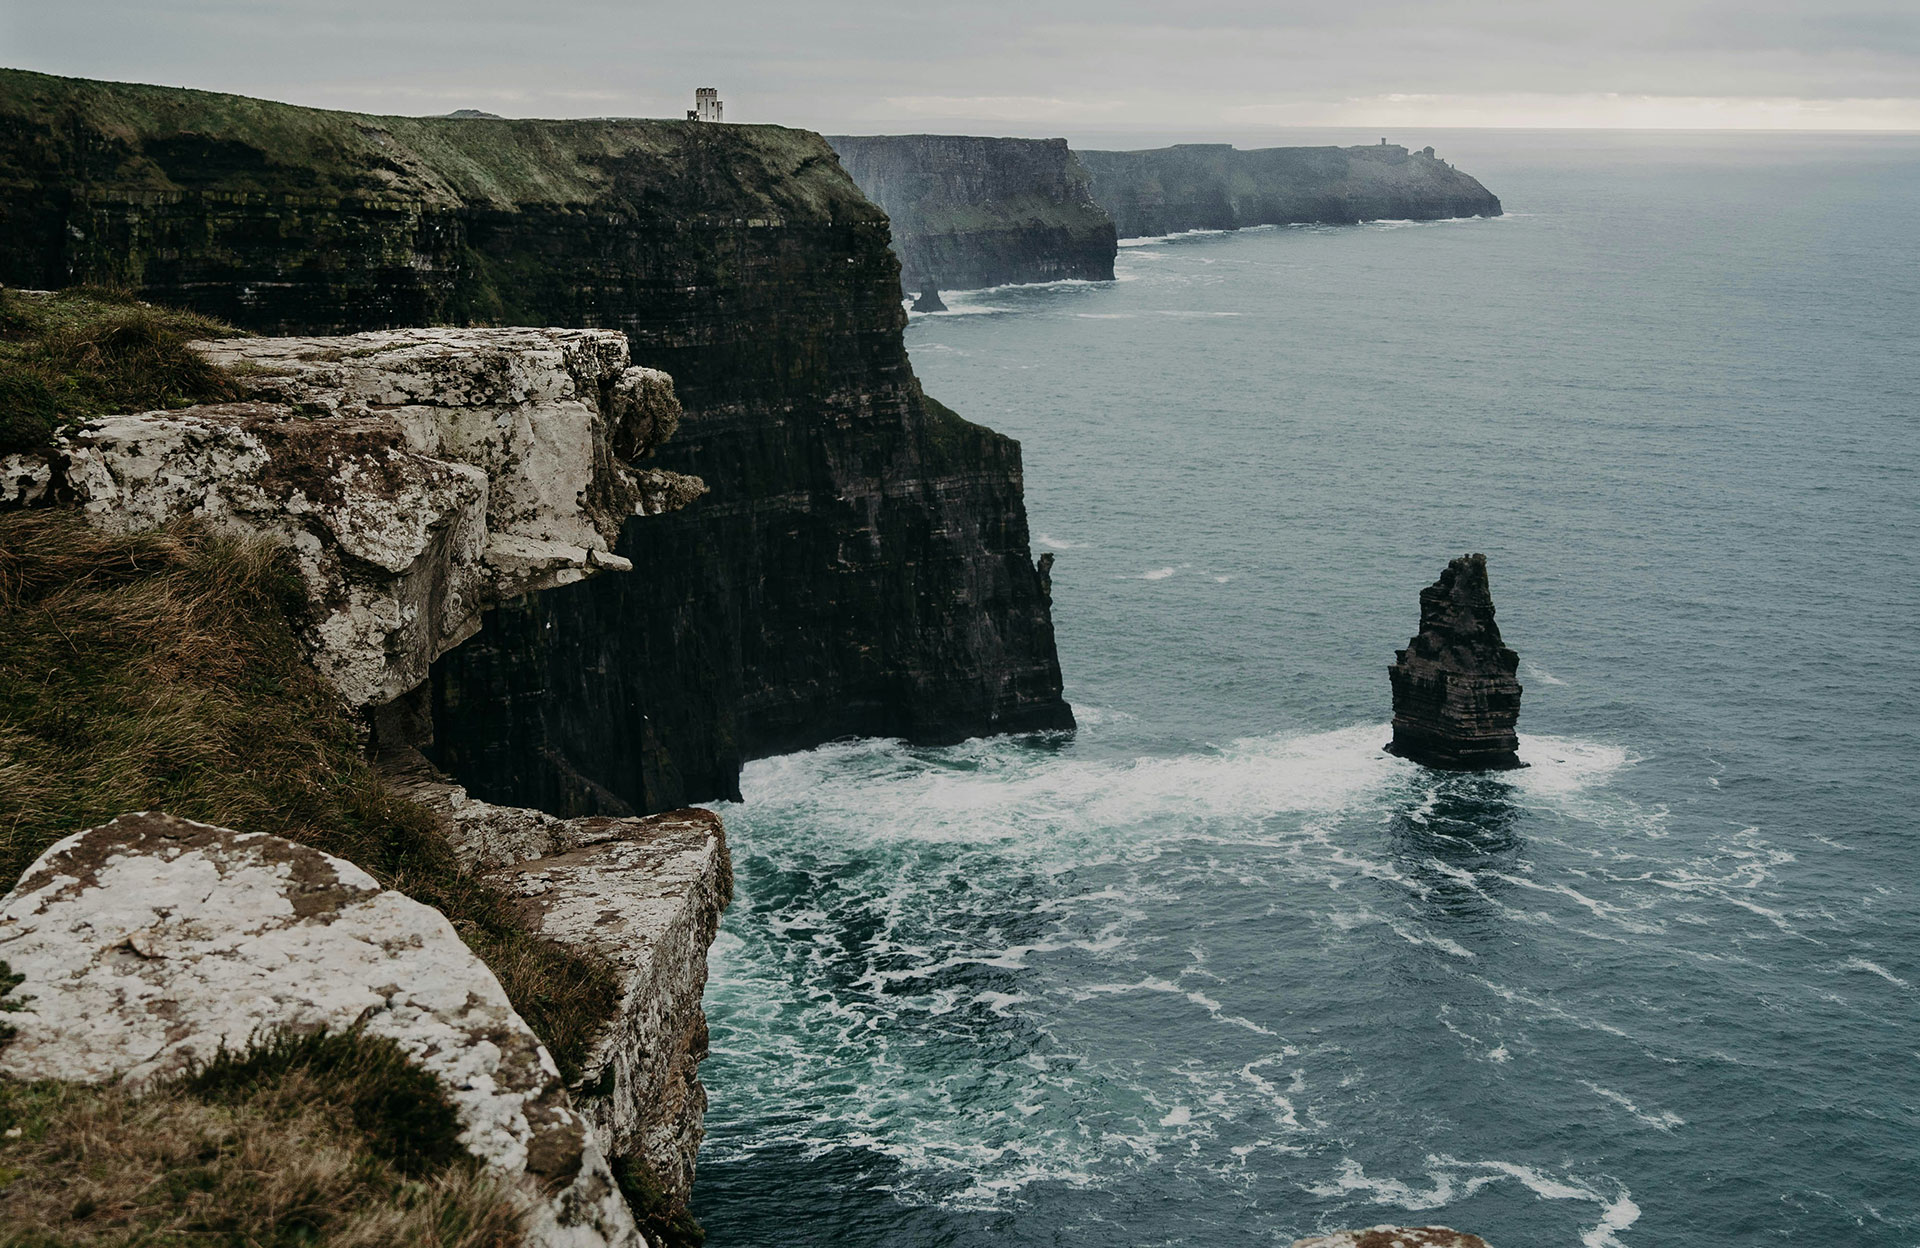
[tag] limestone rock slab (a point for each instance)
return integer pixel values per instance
(152, 941)
(1394, 1237)
(646, 895)
(419, 476)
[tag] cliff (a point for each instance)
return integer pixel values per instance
(406, 481)
(974, 212)
(1213, 186)
(861, 563)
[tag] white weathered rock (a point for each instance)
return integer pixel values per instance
(1394, 1237)
(153, 941)
(645, 895)
(419, 476)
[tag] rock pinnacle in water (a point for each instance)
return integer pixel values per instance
(1455, 699)
(929, 301)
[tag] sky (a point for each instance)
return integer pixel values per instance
(1026, 67)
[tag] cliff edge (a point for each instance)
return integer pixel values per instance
(1214, 186)
(974, 212)
(861, 564)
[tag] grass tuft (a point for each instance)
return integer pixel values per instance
(664, 1220)
(161, 671)
(290, 1143)
(89, 351)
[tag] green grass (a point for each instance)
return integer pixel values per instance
(161, 671)
(302, 1140)
(87, 352)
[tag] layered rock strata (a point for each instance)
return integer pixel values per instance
(862, 564)
(973, 212)
(152, 943)
(1213, 186)
(1455, 698)
(419, 477)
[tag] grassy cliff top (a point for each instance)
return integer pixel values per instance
(127, 137)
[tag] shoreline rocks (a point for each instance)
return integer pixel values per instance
(1455, 698)
(151, 942)
(1394, 1237)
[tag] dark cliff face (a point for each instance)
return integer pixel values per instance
(861, 563)
(973, 212)
(1212, 186)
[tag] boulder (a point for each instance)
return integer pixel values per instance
(420, 477)
(152, 942)
(1394, 1237)
(1455, 699)
(645, 895)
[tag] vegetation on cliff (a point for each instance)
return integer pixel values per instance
(161, 671)
(302, 1140)
(88, 351)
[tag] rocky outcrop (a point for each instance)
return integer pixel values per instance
(418, 476)
(645, 895)
(861, 565)
(973, 212)
(642, 895)
(1394, 1237)
(153, 942)
(1213, 186)
(1455, 699)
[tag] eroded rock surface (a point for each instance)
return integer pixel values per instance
(153, 941)
(1394, 1237)
(1455, 698)
(420, 477)
(646, 896)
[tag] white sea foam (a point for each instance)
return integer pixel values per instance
(1874, 968)
(1056, 543)
(1662, 1120)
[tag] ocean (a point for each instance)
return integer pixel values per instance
(1213, 969)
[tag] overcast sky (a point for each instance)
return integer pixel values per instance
(1024, 66)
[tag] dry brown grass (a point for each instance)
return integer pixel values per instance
(307, 1141)
(161, 671)
(87, 351)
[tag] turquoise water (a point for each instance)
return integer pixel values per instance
(1215, 970)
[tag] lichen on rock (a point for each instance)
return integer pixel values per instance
(419, 477)
(152, 943)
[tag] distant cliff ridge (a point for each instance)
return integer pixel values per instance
(974, 212)
(861, 564)
(1213, 186)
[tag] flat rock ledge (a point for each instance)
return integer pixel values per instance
(419, 476)
(1394, 1237)
(152, 942)
(645, 895)
(1455, 698)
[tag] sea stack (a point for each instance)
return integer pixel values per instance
(1455, 699)
(929, 301)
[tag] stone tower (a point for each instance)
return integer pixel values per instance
(706, 105)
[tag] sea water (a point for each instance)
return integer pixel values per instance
(1214, 970)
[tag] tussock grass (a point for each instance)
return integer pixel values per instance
(160, 671)
(311, 1140)
(89, 351)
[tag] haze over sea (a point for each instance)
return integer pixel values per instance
(1216, 971)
